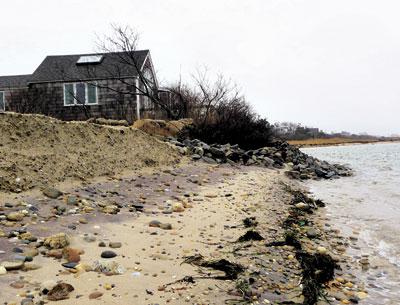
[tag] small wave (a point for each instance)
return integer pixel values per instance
(388, 252)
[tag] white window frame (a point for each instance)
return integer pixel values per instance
(4, 100)
(86, 103)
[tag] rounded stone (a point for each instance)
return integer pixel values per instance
(178, 207)
(115, 245)
(69, 265)
(108, 254)
(12, 265)
(52, 192)
(166, 226)
(312, 233)
(3, 270)
(95, 295)
(27, 301)
(155, 224)
(89, 238)
(322, 250)
(57, 241)
(15, 216)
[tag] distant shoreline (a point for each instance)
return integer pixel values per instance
(338, 142)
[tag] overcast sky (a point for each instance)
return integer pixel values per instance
(333, 64)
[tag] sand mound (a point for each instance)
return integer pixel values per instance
(36, 150)
(161, 127)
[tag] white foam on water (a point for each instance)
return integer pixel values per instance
(389, 252)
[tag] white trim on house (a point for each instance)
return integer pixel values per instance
(148, 57)
(86, 103)
(3, 93)
(137, 99)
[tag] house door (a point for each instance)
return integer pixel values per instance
(2, 101)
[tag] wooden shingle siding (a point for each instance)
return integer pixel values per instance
(48, 99)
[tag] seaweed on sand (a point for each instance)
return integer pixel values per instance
(231, 270)
(290, 240)
(250, 222)
(250, 235)
(317, 269)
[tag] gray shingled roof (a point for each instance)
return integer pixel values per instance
(64, 67)
(14, 81)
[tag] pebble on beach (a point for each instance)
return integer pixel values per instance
(108, 254)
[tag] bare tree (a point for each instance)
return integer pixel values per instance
(123, 44)
(207, 99)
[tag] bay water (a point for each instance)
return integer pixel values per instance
(366, 207)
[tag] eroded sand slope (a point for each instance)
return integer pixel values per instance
(36, 150)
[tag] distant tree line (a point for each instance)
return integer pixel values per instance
(295, 131)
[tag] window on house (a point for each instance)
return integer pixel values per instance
(2, 101)
(80, 94)
(148, 75)
(90, 59)
(91, 94)
(69, 95)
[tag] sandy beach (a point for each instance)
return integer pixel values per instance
(163, 218)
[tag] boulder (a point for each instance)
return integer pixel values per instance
(217, 153)
(198, 151)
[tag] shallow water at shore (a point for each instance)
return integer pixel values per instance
(366, 207)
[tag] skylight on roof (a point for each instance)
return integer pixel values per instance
(90, 59)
